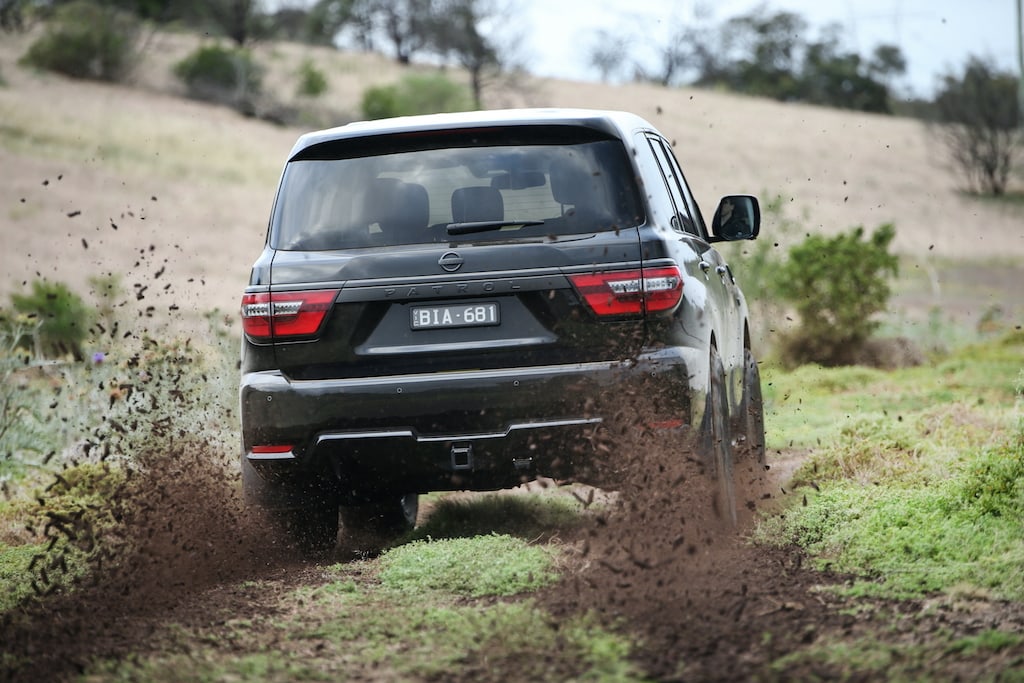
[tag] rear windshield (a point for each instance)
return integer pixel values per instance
(418, 192)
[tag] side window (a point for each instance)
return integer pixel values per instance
(691, 202)
(682, 221)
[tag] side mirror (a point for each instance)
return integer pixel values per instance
(738, 217)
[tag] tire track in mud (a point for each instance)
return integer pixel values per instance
(663, 563)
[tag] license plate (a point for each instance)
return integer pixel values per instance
(454, 315)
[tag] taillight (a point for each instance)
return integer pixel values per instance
(630, 292)
(272, 315)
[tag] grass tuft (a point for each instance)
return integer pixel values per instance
(497, 565)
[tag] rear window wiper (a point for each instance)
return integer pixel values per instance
(485, 226)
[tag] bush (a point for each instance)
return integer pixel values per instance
(84, 40)
(221, 74)
(312, 82)
(62, 316)
(994, 484)
(415, 94)
(837, 285)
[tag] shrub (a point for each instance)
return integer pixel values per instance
(837, 285)
(62, 316)
(85, 40)
(221, 74)
(415, 94)
(312, 81)
(994, 483)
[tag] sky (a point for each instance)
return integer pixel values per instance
(936, 36)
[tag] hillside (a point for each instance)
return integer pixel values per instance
(189, 186)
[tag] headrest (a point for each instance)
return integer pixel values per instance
(477, 203)
(571, 182)
(397, 206)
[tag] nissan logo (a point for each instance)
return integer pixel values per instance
(450, 262)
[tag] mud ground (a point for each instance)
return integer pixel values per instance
(700, 601)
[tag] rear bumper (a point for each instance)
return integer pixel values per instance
(474, 429)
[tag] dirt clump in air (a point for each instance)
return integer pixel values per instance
(167, 528)
(664, 559)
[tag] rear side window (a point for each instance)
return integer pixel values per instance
(346, 197)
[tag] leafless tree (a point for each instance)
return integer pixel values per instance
(608, 53)
(406, 24)
(978, 122)
(458, 33)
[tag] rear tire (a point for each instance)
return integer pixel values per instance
(750, 421)
(300, 507)
(381, 522)
(314, 530)
(717, 447)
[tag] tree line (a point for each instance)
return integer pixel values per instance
(446, 30)
(762, 53)
(975, 113)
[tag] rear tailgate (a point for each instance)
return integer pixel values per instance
(397, 311)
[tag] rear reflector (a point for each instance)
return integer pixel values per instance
(630, 292)
(273, 448)
(276, 315)
(271, 452)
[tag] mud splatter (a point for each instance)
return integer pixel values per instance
(170, 526)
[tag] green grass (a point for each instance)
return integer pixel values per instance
(912, 492)
(15, 577)
(906, 542)
(977, 658)
(809, 407)
(404, 641)
(475, 567)
(986, 641)
(395, 625)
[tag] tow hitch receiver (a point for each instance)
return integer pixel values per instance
(462, 457)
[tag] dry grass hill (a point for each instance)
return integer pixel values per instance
(174, 195)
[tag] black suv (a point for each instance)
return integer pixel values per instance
(449, 301)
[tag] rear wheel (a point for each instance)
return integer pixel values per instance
(305, 512)
(716, 441)
(382, 521)
(314, 529)
(750, 421)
